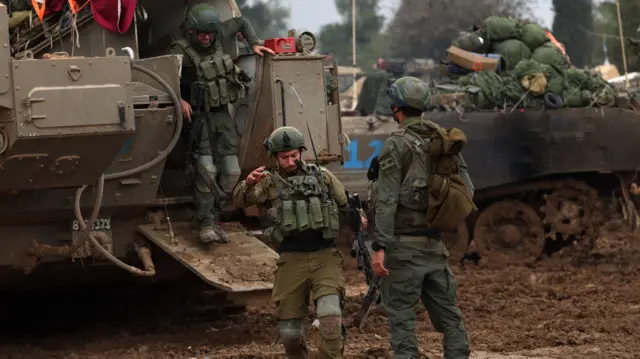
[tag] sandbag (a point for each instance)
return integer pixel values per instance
(491, 85)
(574, 97)
(531, 76)
(557, 81)
(499, 28)
(578, 78)
(533, 35)
(550, 55)
(527, 67)
(472, 42)
(512, 91)
(512, 51)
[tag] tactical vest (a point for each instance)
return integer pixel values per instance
(302, 203)
(217, 83)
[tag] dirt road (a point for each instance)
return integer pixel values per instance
(564, 308)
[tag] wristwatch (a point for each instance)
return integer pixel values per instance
(377, 246)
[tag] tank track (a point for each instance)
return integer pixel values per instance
(565, 211)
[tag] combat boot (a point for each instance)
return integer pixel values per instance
(208, 234)
(223, 237)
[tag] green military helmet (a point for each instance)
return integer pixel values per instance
(283, 139)
(409, 92)
(202, 18)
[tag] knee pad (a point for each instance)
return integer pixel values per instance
(330, 316)
(329, 305)
(205, 167)
(291, 334)
(229, 173)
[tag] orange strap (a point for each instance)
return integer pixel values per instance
(559, 45)
(555, 42)
(39, 8)
(73, 5)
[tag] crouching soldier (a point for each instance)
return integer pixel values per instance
(304, 202)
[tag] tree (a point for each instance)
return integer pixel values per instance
(268, 17)
(572, 25)
(607, 34)
(336, 38)
(426, 28)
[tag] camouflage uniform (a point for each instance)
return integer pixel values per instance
(209, 82)
(415, 256)
(304, 209)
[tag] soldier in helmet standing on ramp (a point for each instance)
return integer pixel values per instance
(409, 252)
(304, 202)
(209, 82)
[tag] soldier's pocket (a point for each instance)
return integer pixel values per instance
(403, 289)
(280, 262)
(338, 257)
(451, 280)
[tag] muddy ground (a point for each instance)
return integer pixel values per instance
(570, 307)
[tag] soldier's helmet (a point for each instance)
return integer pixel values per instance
(283, 139)
(409, 92)
(202, 18)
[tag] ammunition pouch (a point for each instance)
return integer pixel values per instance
(309, 214)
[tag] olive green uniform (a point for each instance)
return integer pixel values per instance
(415, 254)
(209, 82)
(304, 209)
(415, 257)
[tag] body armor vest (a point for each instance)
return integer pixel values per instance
(302, 203)
(217, 83)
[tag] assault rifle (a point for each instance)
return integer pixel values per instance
(361, 251)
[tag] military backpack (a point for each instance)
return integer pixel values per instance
(433, 184)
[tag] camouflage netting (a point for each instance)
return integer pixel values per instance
(534, 72)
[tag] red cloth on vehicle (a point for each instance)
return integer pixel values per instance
(106, 14)
(53, 6)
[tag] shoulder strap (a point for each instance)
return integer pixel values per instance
(189, 50)
(416, 146)
(192, 53)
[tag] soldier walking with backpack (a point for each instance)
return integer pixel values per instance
(411, 211)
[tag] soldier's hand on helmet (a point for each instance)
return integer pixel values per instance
(257, 175)
(186, 109)
(259, 48)
(377, 263)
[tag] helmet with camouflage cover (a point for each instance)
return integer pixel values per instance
(408, 92)
(283, 139)
(202, 18)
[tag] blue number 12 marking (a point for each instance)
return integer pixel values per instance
(354, 162)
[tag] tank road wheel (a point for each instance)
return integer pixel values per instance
(508, 231)
(572, 214)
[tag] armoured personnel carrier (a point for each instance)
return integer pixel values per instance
(91, 126)
(541, 177)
